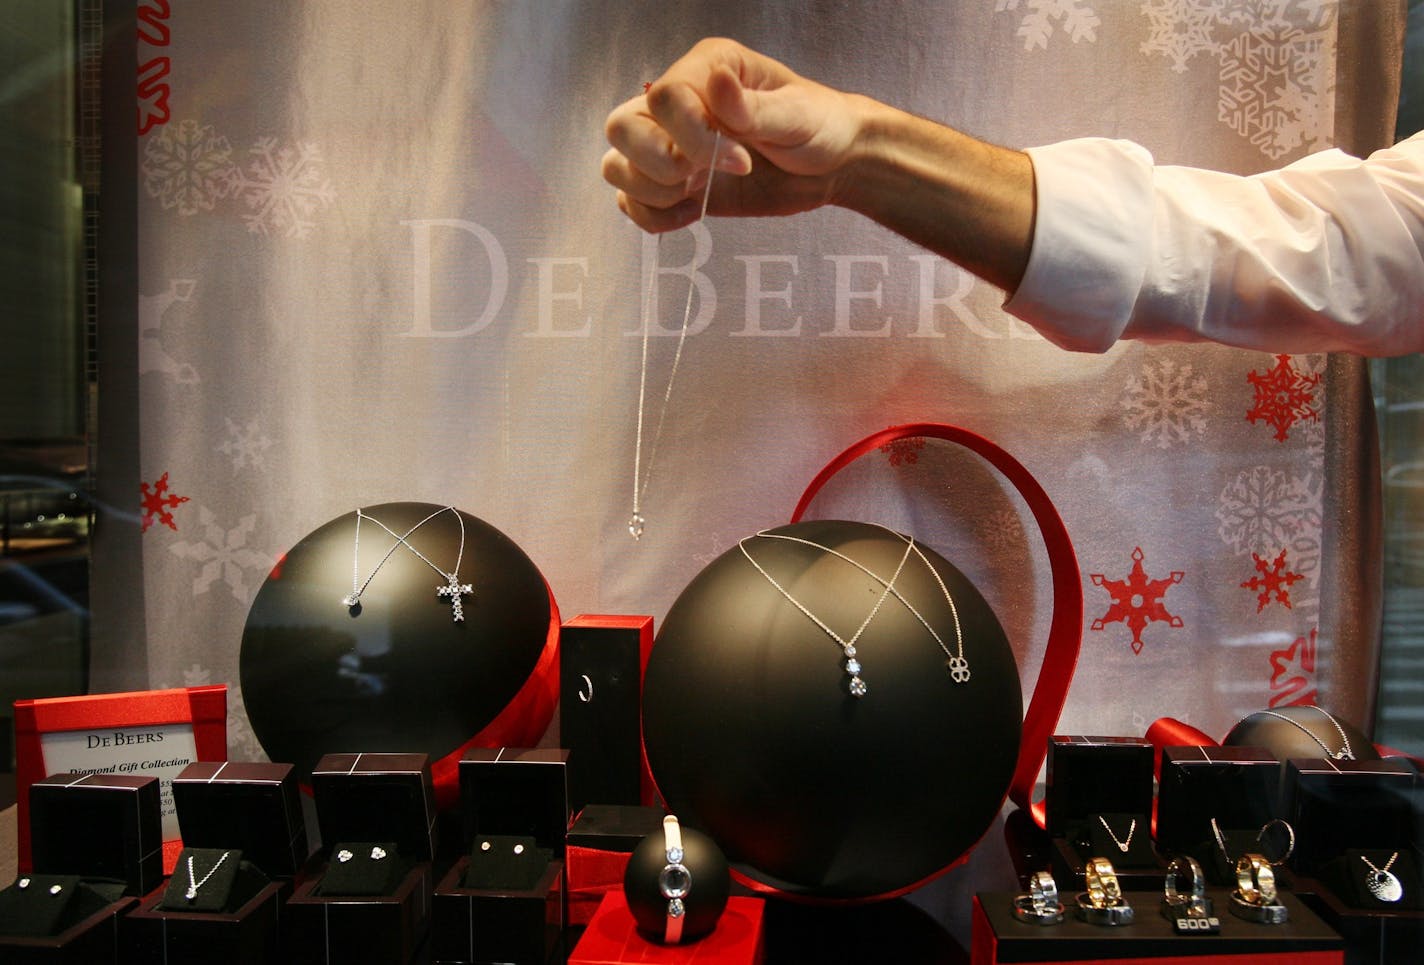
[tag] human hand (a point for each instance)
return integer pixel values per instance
(787, 142)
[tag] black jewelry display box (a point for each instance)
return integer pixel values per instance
(97, 841)
(1098, 799)
(998, 937)
(258, 804)
(105, 826)
(245, 845)
(601, 662)
(1337, 805)
(1237, 786)
(364, 801)
(506, 901)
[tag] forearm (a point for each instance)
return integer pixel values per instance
(966, 200)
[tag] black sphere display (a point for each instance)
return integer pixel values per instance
(753, 732)
(395, 672)
(1301, 730)
(706, 898)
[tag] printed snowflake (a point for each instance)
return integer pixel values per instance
(1271, 579)
(1167, 403)
(157, 502)
(1293, 672)
(1042, 18)
(1181, 29)
(242, 742)
(1284, 396)
(283, 187)
(1274, 63)
(1137, 600)
(1263, 508)
(1001, 530)
(197, 676)
(188, 167)
(244, 445)
(152, 356)
(224, 555)
(904, 452)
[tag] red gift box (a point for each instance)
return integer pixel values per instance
(612, 938)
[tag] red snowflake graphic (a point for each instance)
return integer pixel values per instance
(1293, 672)
(157, 502)
(1272, 578)
(903, 451)
(1283, 397)
(1137, 600)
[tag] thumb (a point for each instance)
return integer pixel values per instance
(731, 108)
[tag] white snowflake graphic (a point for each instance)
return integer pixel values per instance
(187, 166)
(1166, 402)
(197, 676)
(1275, 62)
(1042, 18)
(1264, 509)
(1001, 530)
(242, 742)
(244, 445)
(282, 187)
(152, 356)
(224, 555)
(1181, 29)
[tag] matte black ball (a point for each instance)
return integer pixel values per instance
(1286, 740)
(705, 900)
(397, 672)
(753, 735)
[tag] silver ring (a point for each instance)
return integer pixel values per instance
(1290, 845)
(1184, 870)
(1042, 891)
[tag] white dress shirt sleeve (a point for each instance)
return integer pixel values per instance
(1326, 254)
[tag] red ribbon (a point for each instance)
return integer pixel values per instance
(1065, 632)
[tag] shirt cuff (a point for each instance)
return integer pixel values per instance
(1092, 225)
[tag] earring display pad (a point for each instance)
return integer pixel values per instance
(499, 861)
(395, 673)
(516, 791)
(377, 797)
(38, 904)
(749, 724)
(363, 869)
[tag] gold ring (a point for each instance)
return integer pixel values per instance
(1103, 889)
(1256, 880)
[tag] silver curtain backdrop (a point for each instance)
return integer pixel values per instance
(376, 262)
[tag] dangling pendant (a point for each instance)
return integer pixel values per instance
(1384, 885)
(852, 666)
(958, 669)
(191, 893)
(635, 525)
(454, 589)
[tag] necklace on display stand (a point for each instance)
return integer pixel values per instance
(453, 588)
(195, 884)
(956, 662)
(1121, 845)
(1381, 882)
(641, 477)
(1345, 753)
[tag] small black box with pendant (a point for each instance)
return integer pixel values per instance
(371, 899)
(1236, 787)
(1098, 803)
(258, 804)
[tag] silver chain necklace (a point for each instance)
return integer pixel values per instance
(1381, 883)
(453, 588)
(1345, 753)
(637, 523)
(1121, 845)
(195, 884)
(956, 662)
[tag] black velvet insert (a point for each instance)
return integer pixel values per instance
(1106, 840)
(505, 861)
(210, 874)
(363, 869)
(37, 905)
(1351, 876)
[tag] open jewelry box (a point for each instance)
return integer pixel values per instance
(370, 898)
(95, 845)
(506, 899)
(245, 847)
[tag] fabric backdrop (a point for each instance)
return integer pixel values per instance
(377, 262)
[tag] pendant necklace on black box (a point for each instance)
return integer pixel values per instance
(1121, 845)
(1381, 883)
(642, 476)
(1345, 753)
(956, 662)
(453, 588)
(195, 884)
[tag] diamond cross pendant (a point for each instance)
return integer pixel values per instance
(454, 589)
